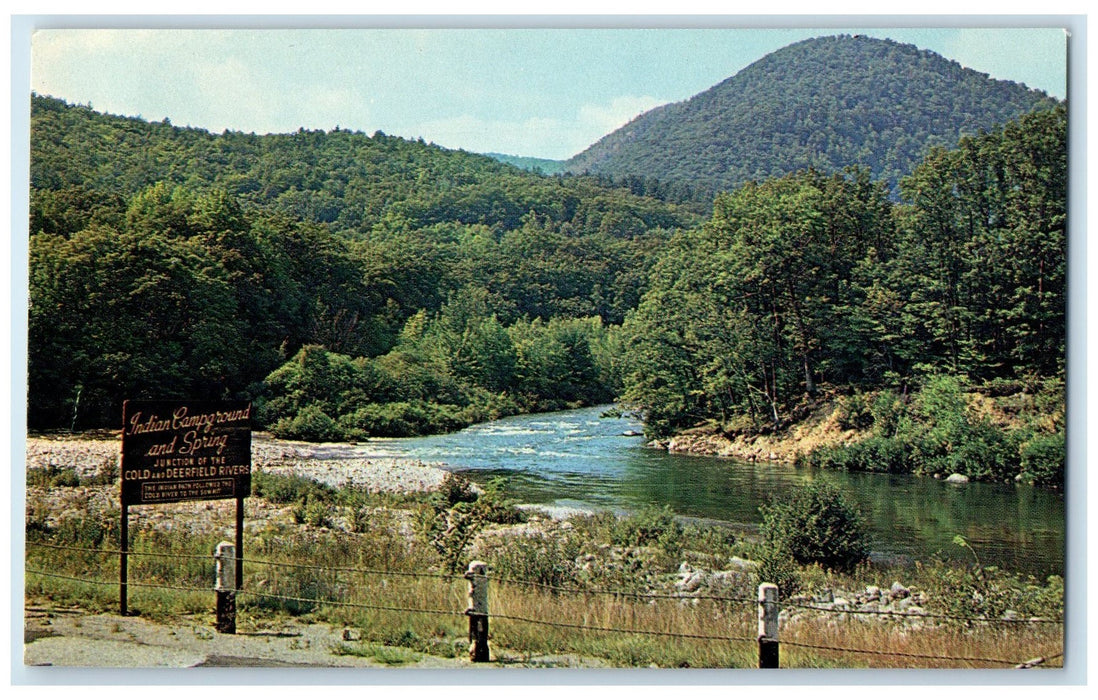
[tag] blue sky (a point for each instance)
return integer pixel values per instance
(536, 92)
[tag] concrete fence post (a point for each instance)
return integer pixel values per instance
(477, 576)
(225, 555)
(768, 625)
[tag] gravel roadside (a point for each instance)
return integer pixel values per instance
(80, 639)
(75, 638)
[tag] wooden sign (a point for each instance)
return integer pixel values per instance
(185, 451)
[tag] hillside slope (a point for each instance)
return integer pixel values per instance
(825, 103)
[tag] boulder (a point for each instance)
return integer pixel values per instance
(956, 479)
(898, 590)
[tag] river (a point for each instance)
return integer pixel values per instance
(578, 459)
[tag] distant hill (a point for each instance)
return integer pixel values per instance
(826, 103)
(346, 180)
(544, 166)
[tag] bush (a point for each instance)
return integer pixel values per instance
(546, 559)
(987, 592)
(455, 489)
(310, 423)
(854, 413)
(776, 566)
(313, 512)
(290, 488)
(817, 524)
(649, 527)
(1043, 459)
(456, 514)
(404, 419)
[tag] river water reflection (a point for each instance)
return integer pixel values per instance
(578, 459)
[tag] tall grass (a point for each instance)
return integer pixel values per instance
(552, 590)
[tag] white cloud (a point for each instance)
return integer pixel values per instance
(540, 137)
(620, 111)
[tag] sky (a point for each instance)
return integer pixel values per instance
(539, 92)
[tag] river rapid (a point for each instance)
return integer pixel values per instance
(579, 459)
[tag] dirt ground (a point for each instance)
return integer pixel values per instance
(68, 637)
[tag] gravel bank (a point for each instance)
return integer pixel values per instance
(334, 464)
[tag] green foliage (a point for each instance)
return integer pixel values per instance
(1043, 460)
(446, 372)
(824, 103)
(988, 592)
(815, 523)
(290, 488)
(757, 308)
(546, 559)
(173, 262)
(650, 526)
(777, 566)
(313, 512)
(53, 476)
(941, 434)
(455, 489)
(855, 412)
(456, 515)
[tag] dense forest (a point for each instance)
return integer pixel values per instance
(356, 286)
(825, 103)
(812, 279)
(172, 262)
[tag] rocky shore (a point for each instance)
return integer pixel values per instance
(98, 454)
(95, 460)
(817, 426)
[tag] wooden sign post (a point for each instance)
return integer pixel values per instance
(184, 451)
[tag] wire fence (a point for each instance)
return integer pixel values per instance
(564, 590)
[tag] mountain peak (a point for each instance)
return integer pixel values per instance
(825, 103)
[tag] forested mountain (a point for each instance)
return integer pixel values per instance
(354, 286)
(810, 279)
(824, 103)
(173, 262)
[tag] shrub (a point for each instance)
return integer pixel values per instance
(546, 559)
(310, 423)
(289, 488)
(495, 506)
(1043, 459)
(854, 412)
(987, 592)
(313, 512)
(816, 523)
(456, 514)
(456, 489)
(776, 566)
(887, 408)
(650, 526)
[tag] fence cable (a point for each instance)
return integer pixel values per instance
(366, 606)
(620, 630)
(621, 594)
(563, 589)
(132, 553)
(347, 569)
(565, 625)
(933, 616)
(905, 654)
(165, 586)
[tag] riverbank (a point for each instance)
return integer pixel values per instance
(991, 432)
(372, 558)
(96, 455)
(819, 427)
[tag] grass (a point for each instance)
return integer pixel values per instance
(403, 619)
